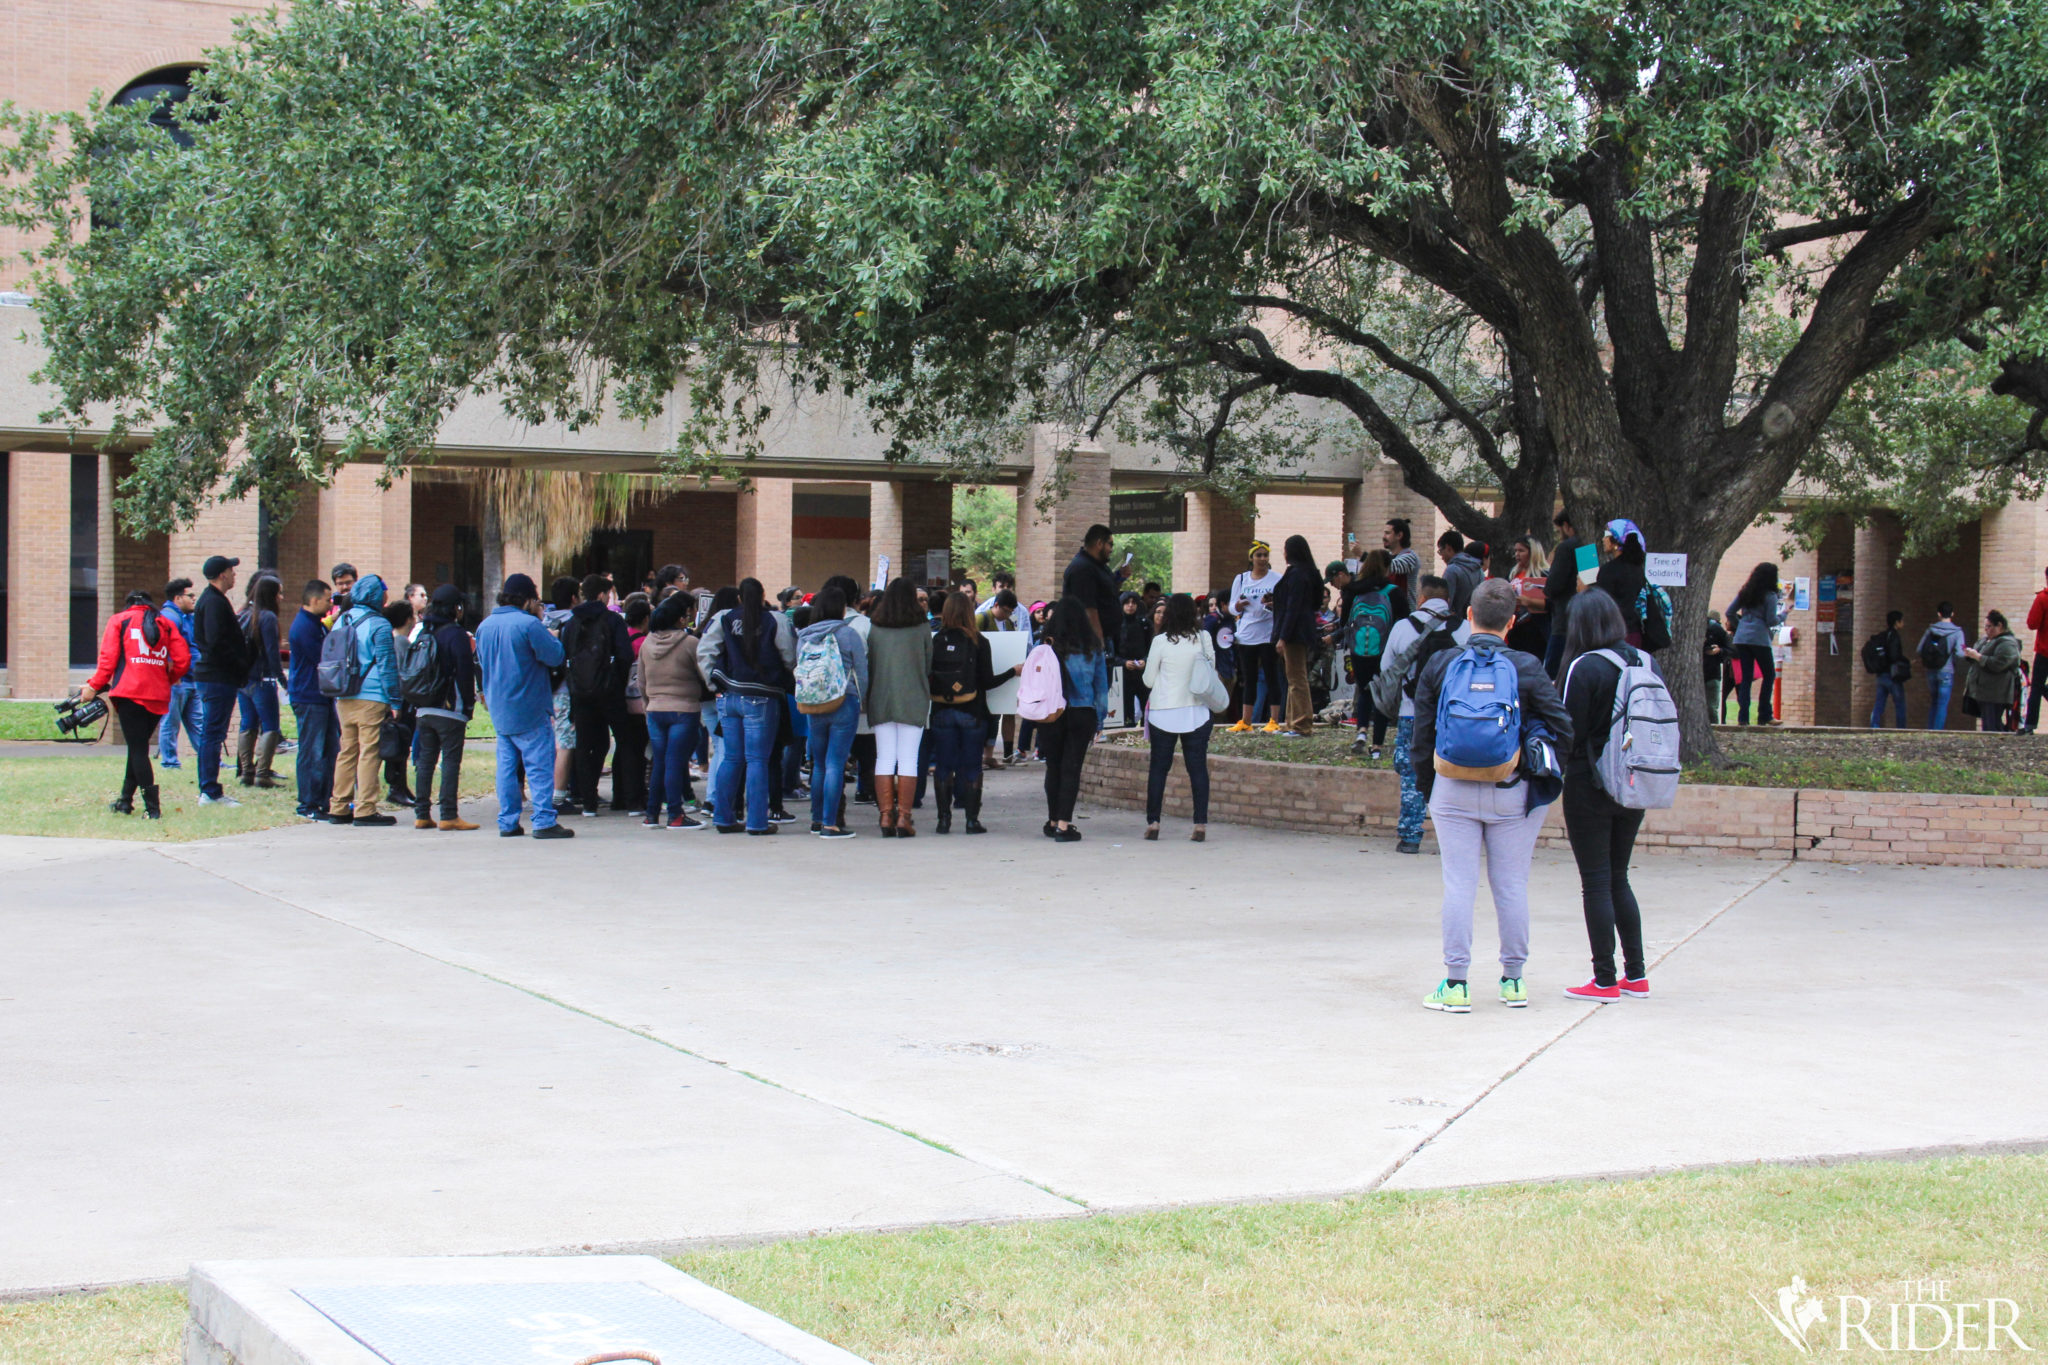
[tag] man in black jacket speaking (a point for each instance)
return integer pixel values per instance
(223, 668)
(1089, 579)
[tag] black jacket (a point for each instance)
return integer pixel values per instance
(1090, 580)
(1589, 700)
(596, 616)
(455, 658)
(264, 660)
(987, 679)
(1296, 598)
(1624, 582)
(1539, 700)
(1463, 574)
(1716, 653)
(1561, 582)
(217, 632)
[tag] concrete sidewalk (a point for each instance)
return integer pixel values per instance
(313, 1042)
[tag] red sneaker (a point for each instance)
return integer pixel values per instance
(1594, 991)
(1638, 989)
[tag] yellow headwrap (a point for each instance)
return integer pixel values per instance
(1257, 546)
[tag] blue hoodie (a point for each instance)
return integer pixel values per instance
(376, 653)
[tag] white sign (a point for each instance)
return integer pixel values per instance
(1006, 649)
(881, 573)
(1666, 571)
(938, 567)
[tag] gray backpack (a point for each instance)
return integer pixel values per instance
(1639, 767)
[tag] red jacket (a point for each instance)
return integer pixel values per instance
(146, 671)
(2037, 621)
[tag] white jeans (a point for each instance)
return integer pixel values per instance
(1472, 817)
(896, 746)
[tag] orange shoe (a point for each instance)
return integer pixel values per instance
(457, 823)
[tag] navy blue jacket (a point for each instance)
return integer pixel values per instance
(307, 633)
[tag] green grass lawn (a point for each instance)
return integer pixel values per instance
(1886, 760)
(1628, 1271)
(68, 796)
(37, 720)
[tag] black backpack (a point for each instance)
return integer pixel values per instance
(955, 676)
(419, 671)
(1876, 658)
(1934, 654)
(590, 659)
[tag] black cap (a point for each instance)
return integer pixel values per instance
(216, 565)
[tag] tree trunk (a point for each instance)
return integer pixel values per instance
(493, 536)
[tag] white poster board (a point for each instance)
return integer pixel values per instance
(881, 573)
(1666, 571)
(938, 568)
(1006, 649)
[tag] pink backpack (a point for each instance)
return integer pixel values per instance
(1040, 694)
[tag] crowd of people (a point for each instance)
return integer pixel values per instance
(887, 693)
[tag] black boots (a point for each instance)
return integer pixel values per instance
(125, 804)
(970, 801)
(149, 804)
(943, 789)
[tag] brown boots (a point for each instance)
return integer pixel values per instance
(266, 753)
(893, 798)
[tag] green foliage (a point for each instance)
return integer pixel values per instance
(984, 531)
(1152, 561)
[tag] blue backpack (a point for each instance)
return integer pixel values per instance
(1479, 716)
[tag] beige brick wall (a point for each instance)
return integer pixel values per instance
(763, 547)
(1318, 516)
(906, 518)
(1382, 495)
(38, 573)
(1048, 539)
(2013, 552)
(1211, 551)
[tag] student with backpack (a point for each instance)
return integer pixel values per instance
(1068, 722)
(1409, 645)
(600, 660)
(141, 658)
(831, 684)
(962, 672)
(899, 702)
(1884, 655)
(1371, 604)
(1940, 646)
(1756, 611)
(1614, 708)
(1471, 708)
(438, 678)
(752, 654)
(359, 667)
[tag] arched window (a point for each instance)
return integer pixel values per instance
(164, 89)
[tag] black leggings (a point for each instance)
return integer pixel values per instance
(138, 727)
(1363, 671)
(1066, 742)
(1603, 835)
(1195, 750)
(1760, 658)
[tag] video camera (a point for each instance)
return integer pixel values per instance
(73, 717)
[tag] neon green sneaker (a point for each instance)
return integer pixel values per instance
(1511, 993)
(1451, 999)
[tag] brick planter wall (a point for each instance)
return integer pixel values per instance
(1759, 822)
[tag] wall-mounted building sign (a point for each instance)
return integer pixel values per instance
(1137, 513)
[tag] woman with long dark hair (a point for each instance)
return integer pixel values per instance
(141, 659)
(962, 672)
(899, 701)
(749, 654)
(1295, 603)
(1751, 616)
(1626, 572)
(256, 702)
(1177, 715)
(1371, 604)
(1084, 678)
(673, 687)
(1602, 831)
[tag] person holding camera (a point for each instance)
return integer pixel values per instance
(141, 658)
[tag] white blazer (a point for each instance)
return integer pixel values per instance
(1169, 666)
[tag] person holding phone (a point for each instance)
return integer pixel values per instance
(1088, 579)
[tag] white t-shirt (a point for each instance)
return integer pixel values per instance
(1255, 622)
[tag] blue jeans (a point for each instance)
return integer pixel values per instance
(1553, 655)
(674, 737)
(256, 705)
(216, 700)
(319, 733)
(956, 747)
(184, 710)
(831, 742)
(1888, 686)
(746, 738)
(535, 751)
(1938, 686)
(1413, 808)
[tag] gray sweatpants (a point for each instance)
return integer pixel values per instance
(1472, 817)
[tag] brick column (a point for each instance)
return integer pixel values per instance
(905, 519)
(221, 528)
(38, 573)
(2013, 552)
(766, 533)
(1211, 552)
(367, 526)
(1861, 615)
(111, 592)
(1382, 495)
(1048, 538)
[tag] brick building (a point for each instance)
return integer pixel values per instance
(822, 500)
